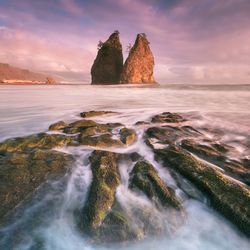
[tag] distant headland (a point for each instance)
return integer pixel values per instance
(13, 75)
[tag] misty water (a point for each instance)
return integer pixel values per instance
(47, 221)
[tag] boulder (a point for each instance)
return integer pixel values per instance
(79, 126)
(50, 80)
(128, 136)
(145, 178)
(139, 65)
(101, 195)
(101, 141)
(58, 125)
(93, 113)
(168, 117)
(107, 67)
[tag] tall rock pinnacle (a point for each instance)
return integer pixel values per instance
(139, 65)
(107, 67)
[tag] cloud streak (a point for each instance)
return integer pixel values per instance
(195, 41)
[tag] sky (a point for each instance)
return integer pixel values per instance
(193, 41)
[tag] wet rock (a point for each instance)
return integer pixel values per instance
(90, 132)
(128, 136)
(141, 123)
(101, 194)
(215, 154)
(117, 227)
(79, 126)
(145, 178)
(135, 156)
(42, 141)
(21, 173)
(93, 113)
(168, 117)
(58, 125)
(205, 151)
(226, 195)
(169, 134)
(139, 65)
(102, 141)
(107, 67)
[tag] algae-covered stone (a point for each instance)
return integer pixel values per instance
(128, 136)
(93, 113)
(145, 178)
(21, 173)
(228, 196)
(104, 140)
(42, 141)
(58, 125)
(215, 153)
(168, 117)
(79, 126)
(101, 194)
(118, 226)
(170, 134)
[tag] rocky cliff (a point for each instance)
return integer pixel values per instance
(10, 74)
(139, 65)
(107, 67)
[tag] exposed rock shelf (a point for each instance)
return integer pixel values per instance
(27, 162)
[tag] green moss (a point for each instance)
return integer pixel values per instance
(229, 197)
(104, 140)
(145, 178)
(101, 195)
(22, 173)
(42, 141)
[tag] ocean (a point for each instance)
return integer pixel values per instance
(24, 110)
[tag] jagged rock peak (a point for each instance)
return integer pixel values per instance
(107, 67)
(139, 65)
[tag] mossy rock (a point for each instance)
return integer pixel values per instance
(101, 194)
(93, 113)
(215, 153)
(204, 151)
(171, 134)
(128, 136)
(22, 173)
(41, 141)
(145, 178)
(226, 195)
(168, 117)
(58, 125)
(117, 227)
(78, 126)
(142, 123)
(101, 141)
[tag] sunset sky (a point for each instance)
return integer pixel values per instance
(193, 41)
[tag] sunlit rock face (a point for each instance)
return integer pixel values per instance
(107, 67)
(139, 65)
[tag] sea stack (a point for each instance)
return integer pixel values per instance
(107, 67)
(139, 65)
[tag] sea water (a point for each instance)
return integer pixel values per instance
(220, 111)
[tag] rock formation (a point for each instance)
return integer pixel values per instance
(139, 65)
(107, 67)
(10, 74)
